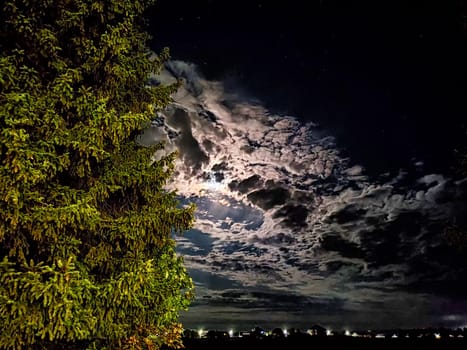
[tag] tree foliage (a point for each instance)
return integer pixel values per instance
(86, 254)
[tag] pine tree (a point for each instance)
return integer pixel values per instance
(87, 258)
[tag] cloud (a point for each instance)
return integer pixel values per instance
(269, 198)
(280, 207)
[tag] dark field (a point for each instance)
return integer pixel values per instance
(326, 343)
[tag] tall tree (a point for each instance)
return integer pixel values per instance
(87, 258)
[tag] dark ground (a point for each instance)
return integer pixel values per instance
(347, 343)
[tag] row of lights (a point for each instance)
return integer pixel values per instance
(329, 333)
(202, 332)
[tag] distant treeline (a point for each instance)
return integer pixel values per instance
(345, 343)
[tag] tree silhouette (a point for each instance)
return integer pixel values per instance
(87, 254)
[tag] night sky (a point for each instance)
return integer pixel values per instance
(318, 143)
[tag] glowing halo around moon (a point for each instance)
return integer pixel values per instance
(212, 185)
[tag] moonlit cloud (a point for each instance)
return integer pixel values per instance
(283, 219)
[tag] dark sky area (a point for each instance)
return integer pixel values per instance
(317, 139)
(392, 70)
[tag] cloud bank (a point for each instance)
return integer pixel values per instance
(288, 227)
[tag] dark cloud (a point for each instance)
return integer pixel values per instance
(211, 117)
(208, 145)
(280, 239)
(211, 280)
(282, 301)
(195, 242)
(246, 185)
(348, 214)
(247, 249)
(334, 266)
(189, 147)
(219, 166)
(345, 248)
(450, 287)
(294, 216)
(269, 198)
